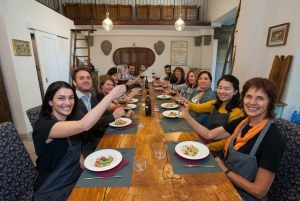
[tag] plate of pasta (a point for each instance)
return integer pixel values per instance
(130, 106)
(133, 100)
(192, 150)
(163, 96)
(171, 114)
(103, 160)
(121, 122)
(169, 105)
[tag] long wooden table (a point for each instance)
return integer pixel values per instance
(158, 182)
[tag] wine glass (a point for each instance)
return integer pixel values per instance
(142, 75)
(153, 71)
(157, 76)
(123, 74)
(143, 68)
(123, 100)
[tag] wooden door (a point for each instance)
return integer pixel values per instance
(4, 104)
(48, 57)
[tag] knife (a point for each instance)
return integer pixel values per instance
(114, 176)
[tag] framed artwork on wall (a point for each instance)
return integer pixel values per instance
(277, 35)
(21, 48)
(179, 52)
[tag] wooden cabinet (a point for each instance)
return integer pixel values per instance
(138, 56)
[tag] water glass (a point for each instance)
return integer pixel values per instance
(160, 152)
(139, 163)
(141, 123)
(156, 109)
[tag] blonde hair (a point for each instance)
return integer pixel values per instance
(101, 81)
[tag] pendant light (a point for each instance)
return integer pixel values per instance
(179, 24)
(107, 23)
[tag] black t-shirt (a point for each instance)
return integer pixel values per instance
(99, 97)
(51, 154)
(270, 150)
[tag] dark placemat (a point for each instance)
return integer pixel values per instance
(177, 163)
(179, 124)
(125, 172)
(131, 130)
(136, 109)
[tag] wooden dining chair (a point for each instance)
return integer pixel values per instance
(33, 114)
(17, 171)
(286, 185)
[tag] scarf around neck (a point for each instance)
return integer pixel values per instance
(241, 141)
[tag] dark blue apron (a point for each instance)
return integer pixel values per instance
(62, 180)
(245, 165)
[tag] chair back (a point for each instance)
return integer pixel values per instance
(286, 185)
(33, 114)
(17, 171)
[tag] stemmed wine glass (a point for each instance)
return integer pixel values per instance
(142, 75)
(183, 94)
(123, 74)
(157, 76)
(153, 72)
(143, 68)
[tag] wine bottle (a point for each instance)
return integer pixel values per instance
(148, 105)
(146, 83)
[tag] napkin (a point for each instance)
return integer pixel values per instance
(112, 171)
(128, 126)
(188, 161)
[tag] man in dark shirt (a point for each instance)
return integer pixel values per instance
(168, 72)
(90, 139)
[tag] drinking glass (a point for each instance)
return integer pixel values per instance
(139, 163)
(157, 76)
(141, 123)
(142, 75)
(143, 68)
(153, 72)
(160, 151)
(123, 74)
(156, 109)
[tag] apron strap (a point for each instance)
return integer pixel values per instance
(260, 137)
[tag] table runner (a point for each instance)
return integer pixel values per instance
(177, 164)
(125, 172)
(178, 123)
(131, 130)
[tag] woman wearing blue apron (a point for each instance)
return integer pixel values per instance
(59, 162)
(255, 146)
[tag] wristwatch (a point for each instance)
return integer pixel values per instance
(227, 171)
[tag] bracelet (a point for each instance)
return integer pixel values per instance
(227, 171)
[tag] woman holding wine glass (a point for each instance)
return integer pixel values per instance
(106, 84)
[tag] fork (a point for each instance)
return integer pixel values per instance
(174, 129)
(190, 166)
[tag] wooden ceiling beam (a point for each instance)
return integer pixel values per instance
(119, 22)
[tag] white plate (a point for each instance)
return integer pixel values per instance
(164, 105)
(133, 100)
(203, 150)
(166, 113)
(159, 88)
(163, 96)
(90, 160)
(130, 106)
(128, 121)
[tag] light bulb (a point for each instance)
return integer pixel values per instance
(107, 23)
(179, 24)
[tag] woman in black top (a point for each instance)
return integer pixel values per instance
(255, 146)
(178, 76)
(59, 161)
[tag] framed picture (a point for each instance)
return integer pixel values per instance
(179, 50)
(277, 35)
(21, 48)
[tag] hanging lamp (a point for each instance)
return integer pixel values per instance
(179, 24)
(107, 23)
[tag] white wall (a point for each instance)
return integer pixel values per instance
(255, 59)
(20, 76)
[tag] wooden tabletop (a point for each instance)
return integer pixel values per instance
(158, 182)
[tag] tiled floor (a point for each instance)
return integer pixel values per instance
(30, 148)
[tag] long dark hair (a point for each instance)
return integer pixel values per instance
(236, 99)
(266, 86)
(51, 90)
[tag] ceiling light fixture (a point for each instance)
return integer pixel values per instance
(107, 23)
(179, 24)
